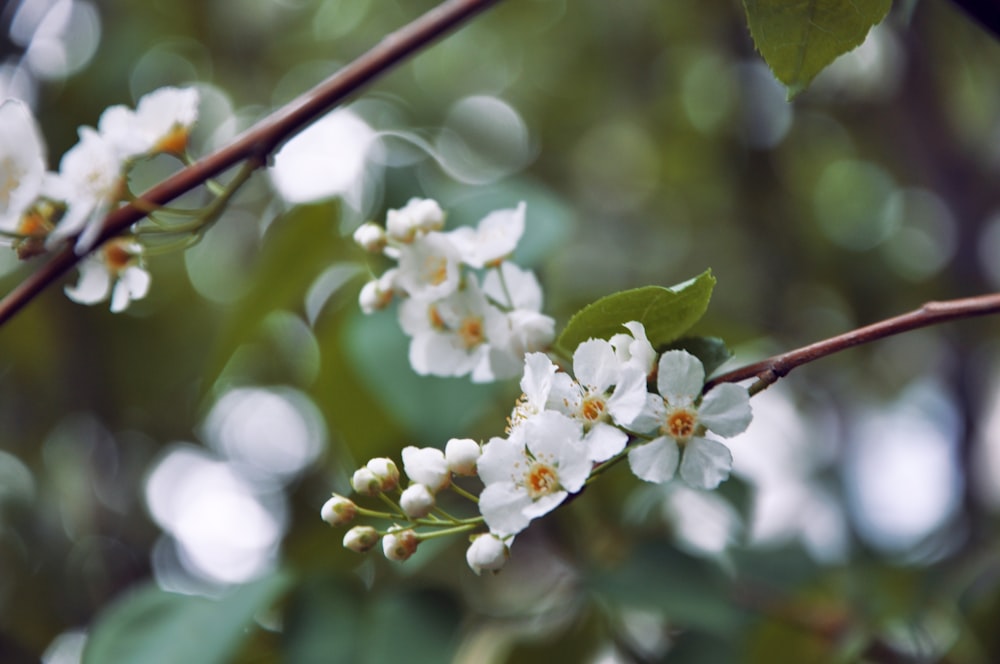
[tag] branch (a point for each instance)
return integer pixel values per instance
(260, 141)
(770, 370)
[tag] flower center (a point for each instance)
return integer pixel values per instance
(117, 257)
(471, 332)
(681, 424)
(593, 408)
(435, 270)
(541, 480)
(436, 321)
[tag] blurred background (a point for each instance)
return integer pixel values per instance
(190, 442)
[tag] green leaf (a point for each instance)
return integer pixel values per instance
(151, 625)
(799, 38)
(666, 313)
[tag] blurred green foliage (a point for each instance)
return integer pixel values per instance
(658, 146)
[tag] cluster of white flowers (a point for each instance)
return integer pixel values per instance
(458, 325)
(40, 209)
(623, 400)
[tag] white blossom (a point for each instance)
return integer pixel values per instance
(493, 239)
(428, 267)
(338, 510)
(418, 216)
(385, 471)
(427, 466)
(113, 269)
(681, 419)
(603, 395)
(370, 237)
(22, 162)
(461, 455)
(417, 501)
(634, 350)
(161, 122)
(531, 472)
(360, 539)
(399, 544)
(536, 384)
(487, 551)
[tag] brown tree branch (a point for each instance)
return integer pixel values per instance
(768, 371)
(261, 140)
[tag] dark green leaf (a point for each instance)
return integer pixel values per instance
(667, 313)
(151, 625)
(798, 39)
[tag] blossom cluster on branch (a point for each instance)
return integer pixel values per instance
(616, 399)
(42, 209)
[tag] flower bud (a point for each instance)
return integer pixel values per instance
(487, 551)
(365, 482)
(417, 501)
(419, 215)
(461, 455)
(426, 465)
(338, 510)
(399, 545)
(370, 237)
(385, 472)
(360, 539)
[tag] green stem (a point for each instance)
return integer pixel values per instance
(465, 494)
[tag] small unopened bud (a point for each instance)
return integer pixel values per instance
(377, 294)
(488, 552)
(400, 544)
(426, 465)
(370, 237)
(385, 472)
(360, 539)
(338, 510)
(419, 215)
(417, 501)
(461, 454)
(365, 482)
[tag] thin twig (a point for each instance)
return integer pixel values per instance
(770, 370)
(260, 141)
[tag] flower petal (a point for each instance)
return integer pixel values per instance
(502, 505)
(604, 441)
(726, 410)
(655, 461)
(706, 463)
(595, 364)
(681, 377)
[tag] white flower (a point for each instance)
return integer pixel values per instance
(417, 501)
(370, 237)
(681, 421)
(513, 287)
(418, 216)
(461, 455)
(536, 384)
(635, 350)
(338, 510)
(161, 122)
(91, 174)
(385, 471)
(22, 162)
(487, 551)
(530, 473)
(360, 539)
(399, 544)
(114, 268)
(378, 293)
(427, 466)
(590, 398)
(452, 336)
(364, 482)
(428, 267)
(527, 330)
(493, 239)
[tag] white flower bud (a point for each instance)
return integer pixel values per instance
(419, 215)
(461, 455)
(385, 472)
(417, 501)
(399, 545)
(365, 482)
(370, 237)
(338, 510)
(426, 465)
(360, 539)
(487, 551)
